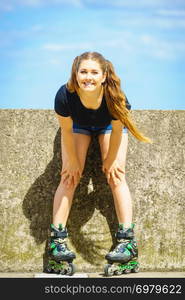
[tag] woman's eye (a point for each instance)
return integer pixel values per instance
(85, 72)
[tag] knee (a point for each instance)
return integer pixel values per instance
(72, 186)
(114, 183)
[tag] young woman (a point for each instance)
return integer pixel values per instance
(92, 102)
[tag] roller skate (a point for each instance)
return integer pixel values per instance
(60, 257)
(123, 259)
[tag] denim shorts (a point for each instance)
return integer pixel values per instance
(89, 130)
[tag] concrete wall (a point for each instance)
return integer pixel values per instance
(30, 167)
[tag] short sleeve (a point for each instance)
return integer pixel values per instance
(61, 103)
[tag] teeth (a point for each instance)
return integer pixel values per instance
(88, 83)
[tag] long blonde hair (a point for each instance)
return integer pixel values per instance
(114, 96)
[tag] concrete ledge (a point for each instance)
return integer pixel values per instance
(30, 164)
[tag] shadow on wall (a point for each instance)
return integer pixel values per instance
(38, 202)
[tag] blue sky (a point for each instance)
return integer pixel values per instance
(144, 39)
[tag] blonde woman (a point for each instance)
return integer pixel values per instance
(92, 103)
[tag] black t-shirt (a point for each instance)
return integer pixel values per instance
(69, 104)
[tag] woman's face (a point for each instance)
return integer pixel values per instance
(90, 75)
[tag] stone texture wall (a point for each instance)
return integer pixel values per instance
(30, 160)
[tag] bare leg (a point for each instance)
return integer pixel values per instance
(121, 193)
(64, 196)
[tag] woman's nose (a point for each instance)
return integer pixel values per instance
(88, 75)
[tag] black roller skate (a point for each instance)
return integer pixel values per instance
(60, 257)
(123, 259)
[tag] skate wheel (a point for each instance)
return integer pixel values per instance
(108, 270)
(126, 271)
(70, 269)
(118, 272)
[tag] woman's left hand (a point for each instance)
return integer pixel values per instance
(113, 171)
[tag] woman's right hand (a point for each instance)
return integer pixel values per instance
(71, 173)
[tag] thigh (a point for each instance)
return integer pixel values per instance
(104, 140)
(82, 142)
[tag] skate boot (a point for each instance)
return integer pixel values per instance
(60, 257)
(123, 259)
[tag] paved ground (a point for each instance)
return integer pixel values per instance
(95, 275)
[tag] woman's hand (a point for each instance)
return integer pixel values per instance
(113, 171)
(71, 173)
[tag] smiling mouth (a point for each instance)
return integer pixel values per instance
(88, 84)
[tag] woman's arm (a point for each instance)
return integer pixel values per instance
(72, 170)
(115, 140)
(110, 165)
(66, 125)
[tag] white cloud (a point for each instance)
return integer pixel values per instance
(129, 44)
(131, 35)
(161, 49)
(158, 19)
